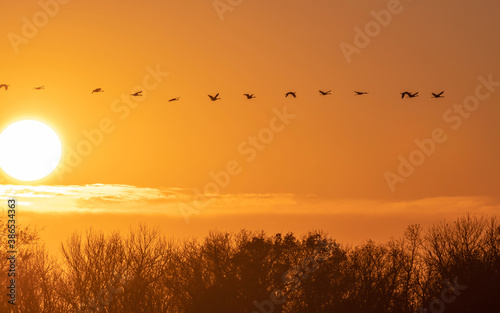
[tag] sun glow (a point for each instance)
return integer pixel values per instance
(29, 150)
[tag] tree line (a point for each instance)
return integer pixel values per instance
(448, 267)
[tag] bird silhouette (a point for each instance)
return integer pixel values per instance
(39, 88)
(438, 95)
(409, 94)
(249, 96)
(325, 93)
(214, 98)
(174, 99)
(291, 93)
(97, 90)
(137, 94)
(360, 93)
(4, 86)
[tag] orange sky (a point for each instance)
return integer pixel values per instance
(335, 149)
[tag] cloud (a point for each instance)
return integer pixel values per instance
(126, 199)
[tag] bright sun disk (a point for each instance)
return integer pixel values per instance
(29, 150)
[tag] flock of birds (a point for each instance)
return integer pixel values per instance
(252, 96)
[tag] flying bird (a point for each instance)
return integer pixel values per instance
(249, 97)
(39, 88)
(439, 95)
(360, 93)
(97, 90)
(291, 93)
(137, 94)
(174, 99)
(4, 86)
(325, 93)
(214, 98)
(409, 94)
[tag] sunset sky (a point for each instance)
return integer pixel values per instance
(325, 167)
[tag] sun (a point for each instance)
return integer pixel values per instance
(29, 150)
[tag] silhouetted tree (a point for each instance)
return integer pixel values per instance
(451, 266)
